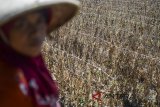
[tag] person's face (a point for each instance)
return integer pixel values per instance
(28, 33)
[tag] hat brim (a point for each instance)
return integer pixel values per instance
(62, 11)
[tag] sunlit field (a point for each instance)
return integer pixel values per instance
(108, 55)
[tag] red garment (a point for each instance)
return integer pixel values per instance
(10, 93)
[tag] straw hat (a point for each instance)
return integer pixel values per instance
(62, 10)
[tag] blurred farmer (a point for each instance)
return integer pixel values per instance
(24, 79)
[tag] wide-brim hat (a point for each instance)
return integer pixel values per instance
(62, 10)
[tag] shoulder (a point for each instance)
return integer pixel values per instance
(6, 66)
(7, 75)
(6, 70)
(9, 88)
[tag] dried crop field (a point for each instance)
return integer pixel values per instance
(111, 46)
